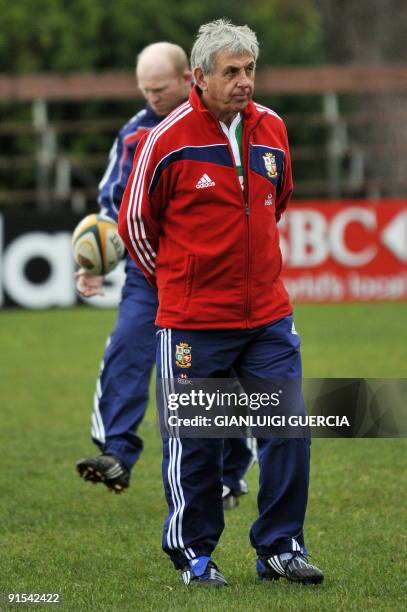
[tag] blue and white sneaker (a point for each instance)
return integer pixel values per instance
(293, 566)
(204, 572)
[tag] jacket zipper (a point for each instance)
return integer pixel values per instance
(246, 207)
(245, 162)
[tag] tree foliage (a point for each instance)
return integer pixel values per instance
(82, 35)
(373, 32)
(98, 35)
(367, 31)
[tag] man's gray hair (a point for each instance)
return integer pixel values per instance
(222, 35)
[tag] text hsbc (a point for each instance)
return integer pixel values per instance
(308, 237)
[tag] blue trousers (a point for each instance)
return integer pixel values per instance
(122, 389)
(192, 467)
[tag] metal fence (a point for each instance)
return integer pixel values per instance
(346, 127)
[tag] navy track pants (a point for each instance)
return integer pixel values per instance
(192, 467)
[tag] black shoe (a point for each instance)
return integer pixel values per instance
(107, 469)
(211, 577)
(230, 496)
(295, 569)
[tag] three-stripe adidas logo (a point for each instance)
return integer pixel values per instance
(204, 182)
(115, 471)
(186, 576)
(275, 564)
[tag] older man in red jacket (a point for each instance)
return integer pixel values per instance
(199, 216)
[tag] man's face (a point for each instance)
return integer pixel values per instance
(163, 88)
(229, 87)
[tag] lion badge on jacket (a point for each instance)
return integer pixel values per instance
(183, 355)
(270, 164)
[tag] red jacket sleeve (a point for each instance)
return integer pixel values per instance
(286, 188)
(139, 214)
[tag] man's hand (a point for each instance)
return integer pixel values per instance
(88, 285)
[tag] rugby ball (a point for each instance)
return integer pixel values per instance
(96, 245)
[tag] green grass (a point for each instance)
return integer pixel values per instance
(103, 552)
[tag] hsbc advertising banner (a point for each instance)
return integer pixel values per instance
(333, 251)
(348, 250)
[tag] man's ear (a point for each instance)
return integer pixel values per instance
(200, 79)
(187, 76)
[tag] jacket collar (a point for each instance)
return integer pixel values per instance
(250, 113)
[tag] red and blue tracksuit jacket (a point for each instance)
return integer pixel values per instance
(118, 170)
(210, 248)
(114, 180)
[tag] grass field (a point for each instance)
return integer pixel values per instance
(102, 552)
